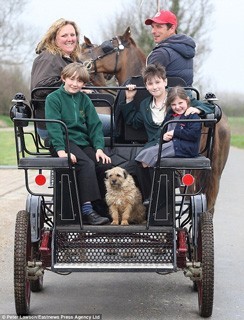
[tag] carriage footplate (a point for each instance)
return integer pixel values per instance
(115, 251)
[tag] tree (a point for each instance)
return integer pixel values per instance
(15, 39)
(16, 43)
(11, 82)
(194, 19)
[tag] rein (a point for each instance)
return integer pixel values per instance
(108, 49)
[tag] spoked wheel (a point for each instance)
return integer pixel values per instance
(205, 255)
(22, 252)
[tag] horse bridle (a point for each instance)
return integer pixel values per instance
(107, 48)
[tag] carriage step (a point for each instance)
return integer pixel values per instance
(110, 267)
(114, 251)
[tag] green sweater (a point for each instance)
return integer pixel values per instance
(80, 117)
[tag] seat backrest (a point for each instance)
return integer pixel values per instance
(131, 134)
(124, 132)
(176, 81)
(103, 102)
(38, 97)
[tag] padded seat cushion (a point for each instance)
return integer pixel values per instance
(200, 162)
(45, 162)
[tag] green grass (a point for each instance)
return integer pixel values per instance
(237, 125)
(237, 131)
(7, 141)
(237, 141)
(7, 146)
(5, 121)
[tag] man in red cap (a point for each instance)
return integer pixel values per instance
(174, 51)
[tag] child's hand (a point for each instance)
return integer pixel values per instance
(63, 154)
(130, 93)
(101, 155)
(168, 135)
(192, 110)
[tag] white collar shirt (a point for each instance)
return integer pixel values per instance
(158, 114)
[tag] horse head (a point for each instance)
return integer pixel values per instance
(119, 56)
(98, 79)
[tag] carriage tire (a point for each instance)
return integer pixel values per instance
(205, 254)
(22, 251)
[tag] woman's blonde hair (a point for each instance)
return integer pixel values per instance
(48, 41)
(76, 69)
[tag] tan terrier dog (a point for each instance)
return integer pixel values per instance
(123, 198)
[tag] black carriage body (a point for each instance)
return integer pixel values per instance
(169, 239)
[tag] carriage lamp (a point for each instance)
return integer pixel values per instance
(188, 179)
(40, 179)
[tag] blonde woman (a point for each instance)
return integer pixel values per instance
(59, 47)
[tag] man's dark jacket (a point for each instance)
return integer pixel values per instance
(176, 55)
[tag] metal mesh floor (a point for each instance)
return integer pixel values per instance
(114, 248)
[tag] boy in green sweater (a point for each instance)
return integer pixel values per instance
(76, 110)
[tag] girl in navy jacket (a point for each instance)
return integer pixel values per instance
(182, 139)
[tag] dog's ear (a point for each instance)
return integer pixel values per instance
(125, 174)
(106, 174)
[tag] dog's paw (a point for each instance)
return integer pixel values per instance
(124, 223)
(114, 222)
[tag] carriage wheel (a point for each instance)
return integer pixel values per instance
(205, 255)
(22, 251)
(36, 285)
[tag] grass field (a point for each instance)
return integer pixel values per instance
(237, 131)
(7, 142)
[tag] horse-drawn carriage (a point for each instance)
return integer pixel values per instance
(50, 233)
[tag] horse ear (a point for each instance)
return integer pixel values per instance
(127, 33)
(87, 41)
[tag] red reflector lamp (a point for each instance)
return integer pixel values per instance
(40, 179)
(188, 179)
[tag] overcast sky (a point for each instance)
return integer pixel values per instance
(224, 68)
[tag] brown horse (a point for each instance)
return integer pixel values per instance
(211, 179)
(122, 57)
(119, 56)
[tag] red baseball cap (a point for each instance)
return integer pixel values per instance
(162, 17)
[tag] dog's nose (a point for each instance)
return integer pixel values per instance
(113, 181)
